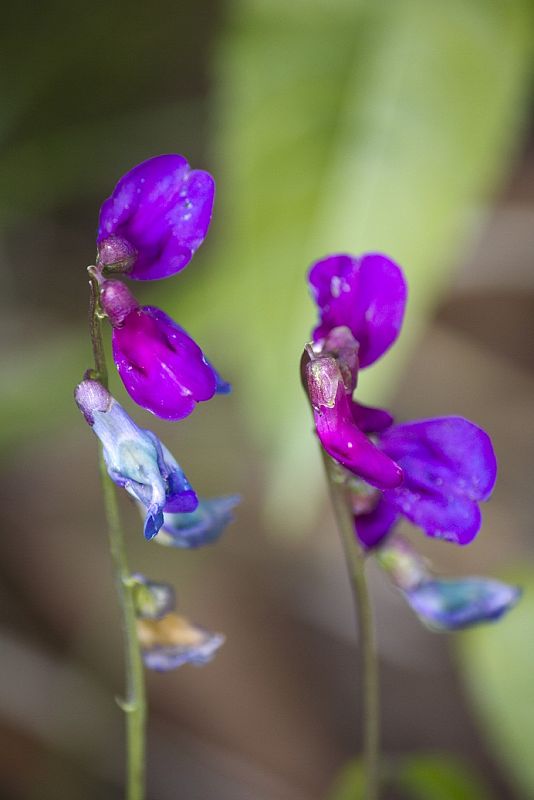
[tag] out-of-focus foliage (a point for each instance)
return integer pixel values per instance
(381, 126)
(439, 777)
(416, 777)
(498, 667)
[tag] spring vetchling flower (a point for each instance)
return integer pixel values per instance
(167, 639)
(162, 367)
(135, 458)
(434, 472)
(156, 218)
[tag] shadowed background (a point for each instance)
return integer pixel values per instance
(329, 126)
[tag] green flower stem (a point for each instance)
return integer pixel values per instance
(356, 564)
(134, 706)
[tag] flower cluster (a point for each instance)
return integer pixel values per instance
(433, 472)
(150, 227)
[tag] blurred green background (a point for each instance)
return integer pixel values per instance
(330, 126)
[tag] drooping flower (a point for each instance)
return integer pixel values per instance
(135, 458)
(443, 604)
(450, 604)
(434, 472)
(202, 526)
(167, 639)
(156, 218)
(161, 366)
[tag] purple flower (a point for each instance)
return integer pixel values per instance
(161, 366)
(337, 431)
(434, 472)
(135, 458)
(367, 294)
(168, 640)
(156, 218)
(450, 604)
(202, 526)
(449, 467)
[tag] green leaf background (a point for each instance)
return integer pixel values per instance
(497, 664)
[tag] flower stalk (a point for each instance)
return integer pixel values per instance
(355, 558)
(134, 704)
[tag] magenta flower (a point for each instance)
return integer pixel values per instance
(433, 472)
(337, 431)
(161, 366)
(156, 218)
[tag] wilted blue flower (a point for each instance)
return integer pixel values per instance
(135, 458)
(167, 639)
(450, 604)
(443, 604)
(201, 526)
(152, 600)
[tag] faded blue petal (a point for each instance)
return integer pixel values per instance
(450, 604)
(449, 467)
(135, 459)
(163, 659)
(202, 526)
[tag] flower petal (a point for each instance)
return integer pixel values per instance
(449, 466)
(172, 641)
(367, 294)
(162, 209)
(336, 430)
(371, 528)
(161, 366)
(202, 526)
(371, 420)
(451, 604)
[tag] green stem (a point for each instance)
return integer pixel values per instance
(356, 564)
(134, 705)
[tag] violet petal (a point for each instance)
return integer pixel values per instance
(161, 366)
(373, 527)
(367, 294)
(162, 210)
(449, 467)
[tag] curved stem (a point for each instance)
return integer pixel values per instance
(134, 705)
(356, 564)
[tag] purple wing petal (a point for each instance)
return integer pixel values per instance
(449, 466)
(371, 528)
(367, 294)
(162, 209)
(371, 420)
